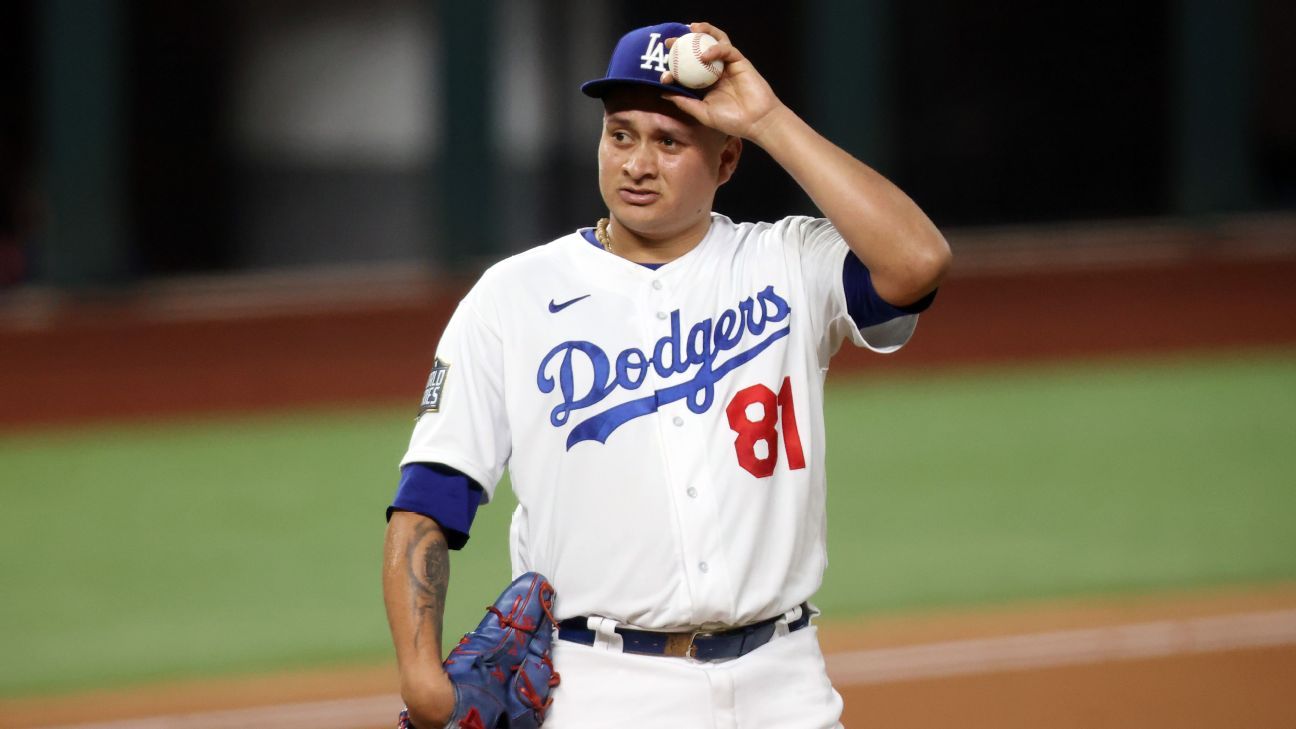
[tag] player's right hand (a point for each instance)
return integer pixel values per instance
(741, 103)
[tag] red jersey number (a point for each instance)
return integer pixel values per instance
(765, 430)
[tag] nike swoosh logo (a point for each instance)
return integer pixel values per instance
(555, 308)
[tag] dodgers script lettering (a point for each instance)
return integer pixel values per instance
(672, 355)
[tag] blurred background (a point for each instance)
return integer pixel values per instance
(230, 232)
(144, 138)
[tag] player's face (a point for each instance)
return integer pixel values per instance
(658, 167)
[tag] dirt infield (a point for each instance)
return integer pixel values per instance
(1222, 658)
(1155, 674)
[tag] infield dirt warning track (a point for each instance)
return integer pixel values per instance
(1217, 659)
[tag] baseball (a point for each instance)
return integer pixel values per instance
(686, 66)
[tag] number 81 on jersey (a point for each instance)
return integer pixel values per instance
(765, 429)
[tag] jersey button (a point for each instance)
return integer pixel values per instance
(702, 566)
(678, 420)
(692, 492)
(661, 315)
(657, 284)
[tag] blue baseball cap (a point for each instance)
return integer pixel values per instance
(640, 58)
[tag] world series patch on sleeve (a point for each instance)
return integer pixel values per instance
(436, 383)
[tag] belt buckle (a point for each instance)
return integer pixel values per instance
(680, 645)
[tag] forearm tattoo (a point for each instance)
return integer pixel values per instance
(428, 571)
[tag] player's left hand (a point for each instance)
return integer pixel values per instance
(502, 673)
(741, 103)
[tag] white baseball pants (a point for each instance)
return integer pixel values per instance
(783, 684)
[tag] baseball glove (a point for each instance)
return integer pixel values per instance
(501, 671)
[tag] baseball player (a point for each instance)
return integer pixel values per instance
(654, 385)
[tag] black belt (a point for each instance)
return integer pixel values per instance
(702, 645)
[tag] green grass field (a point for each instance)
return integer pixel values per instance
(241, 545)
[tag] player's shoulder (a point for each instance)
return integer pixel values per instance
(788, 231)
(534, 262)
(516, 276)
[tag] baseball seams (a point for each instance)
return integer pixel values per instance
(712, 69)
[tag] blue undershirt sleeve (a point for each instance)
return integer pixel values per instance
(442, 494)
(866, 308)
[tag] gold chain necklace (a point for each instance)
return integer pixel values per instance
(601, 232)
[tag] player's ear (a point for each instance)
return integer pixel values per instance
(729, 155)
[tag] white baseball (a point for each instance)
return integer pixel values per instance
(686, 64)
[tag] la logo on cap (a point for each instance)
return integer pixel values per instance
(640, 58)
(656, 53)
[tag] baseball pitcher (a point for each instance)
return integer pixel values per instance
(653, 382)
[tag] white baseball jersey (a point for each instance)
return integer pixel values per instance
(663, 429)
